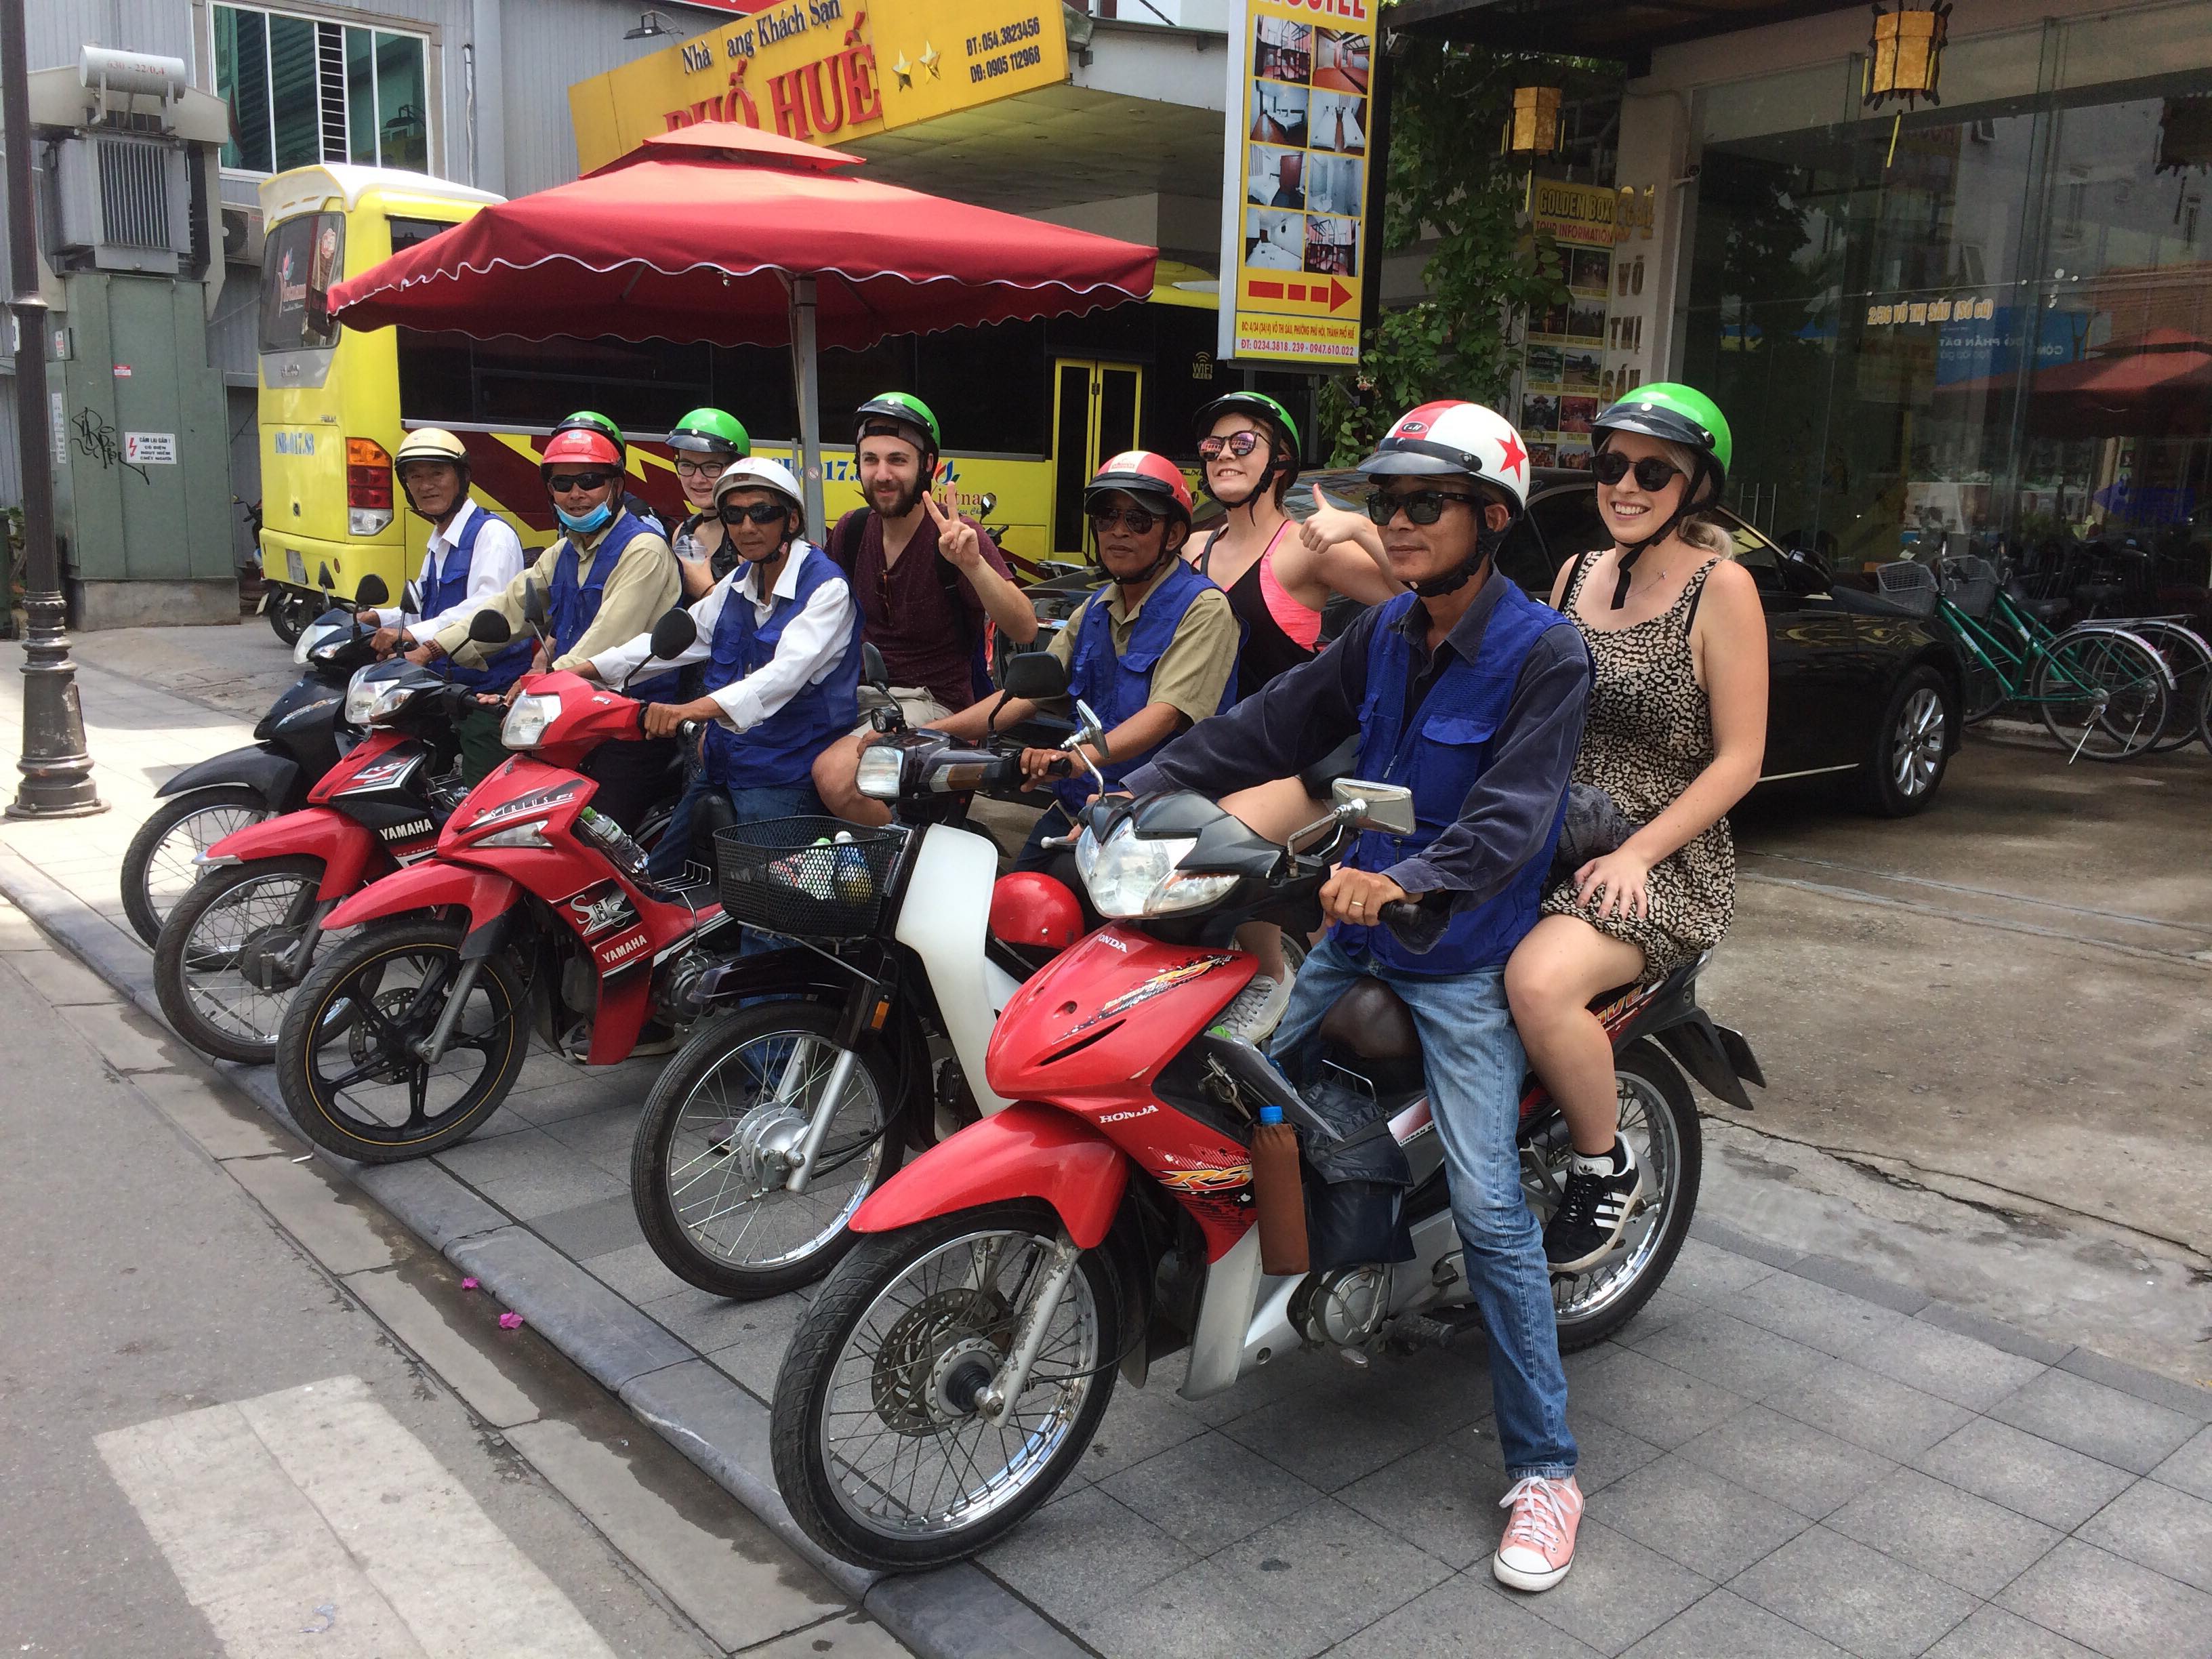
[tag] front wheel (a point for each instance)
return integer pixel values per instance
(1912, 745)
(349, 1057)
(879, 1446)
(158, 867)
(708, 1167)
(227, 956)
(1659, 1119)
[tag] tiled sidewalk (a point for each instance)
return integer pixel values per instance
(1782, 1456)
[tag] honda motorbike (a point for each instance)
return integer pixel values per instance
(535, 911)
(297, 741)
(950, 1374)
(778, 1119)
(245, 933)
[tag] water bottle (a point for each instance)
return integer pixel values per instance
(1278, 1196)
(613, 840)
(856, 883)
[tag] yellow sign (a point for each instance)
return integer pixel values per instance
(1294, 186)
(1580, 213)
(826, 71)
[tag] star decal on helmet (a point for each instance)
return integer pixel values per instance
(1512, 456)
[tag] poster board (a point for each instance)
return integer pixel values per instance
(1295, 178)
(1564, 379)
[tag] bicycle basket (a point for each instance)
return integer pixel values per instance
(1909, 585)
(807, 877)
(1971, 584)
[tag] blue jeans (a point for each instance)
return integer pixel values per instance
(751, 805)
(1473, 1064)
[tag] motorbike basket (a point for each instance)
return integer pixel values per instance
(1908, 585)
(806, 877)
(1356, 1186)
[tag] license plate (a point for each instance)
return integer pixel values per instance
(296, 566)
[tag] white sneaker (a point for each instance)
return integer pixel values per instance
(1259, 1008)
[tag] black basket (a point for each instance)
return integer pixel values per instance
(810, 877)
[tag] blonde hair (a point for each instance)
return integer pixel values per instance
(1694, 530)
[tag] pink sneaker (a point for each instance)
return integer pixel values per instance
(1538, 1546)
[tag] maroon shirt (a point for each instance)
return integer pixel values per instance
(904, 613)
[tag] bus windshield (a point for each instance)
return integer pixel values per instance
(305, 256)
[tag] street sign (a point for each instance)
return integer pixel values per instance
(826, 71)
(1295, 180)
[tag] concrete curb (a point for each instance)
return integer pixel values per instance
(955, 1612)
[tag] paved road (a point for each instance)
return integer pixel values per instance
(215, 1448)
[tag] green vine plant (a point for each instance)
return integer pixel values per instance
(1490, 265)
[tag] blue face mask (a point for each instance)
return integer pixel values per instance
(585, 523)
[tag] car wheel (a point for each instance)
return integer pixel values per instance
(1911, 745)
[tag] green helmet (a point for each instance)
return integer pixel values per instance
(711, 432)
(904, 408)
(1675, 414)
(589, 420)
(1249, 402)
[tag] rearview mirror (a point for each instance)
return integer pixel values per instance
(1037, 675)
(533, 608)
(673, 635)
(487, 627)
(1385, 806)
(1806, 573)
(370, 593)
(872, 670)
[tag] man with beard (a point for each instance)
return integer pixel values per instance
(927, 581)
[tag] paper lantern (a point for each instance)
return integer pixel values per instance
(1534, 128)
(1904, 59)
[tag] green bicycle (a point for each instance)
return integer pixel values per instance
(2100, 689)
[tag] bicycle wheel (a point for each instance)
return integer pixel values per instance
(2189, 660)
(2102, 693)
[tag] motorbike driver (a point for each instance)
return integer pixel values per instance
(928, 581)
(781, 639)
(471, 558)
(1473, 696)
(704, 443)
(589, 420)
(604, 581)
(1153, 651)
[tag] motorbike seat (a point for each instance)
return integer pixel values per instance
(1372, 1020)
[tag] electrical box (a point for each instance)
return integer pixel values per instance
(124, 199)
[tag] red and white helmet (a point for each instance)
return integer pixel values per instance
(1147, 476)
(1447, 436)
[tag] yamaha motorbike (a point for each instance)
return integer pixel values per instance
(950, 1373)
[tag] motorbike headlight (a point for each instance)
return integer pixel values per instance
(313, 639)
(1127, 873)
(372, 702)
(525, 723)
(532, 834)
(880, 770)
(361, 693)
(1189, 892)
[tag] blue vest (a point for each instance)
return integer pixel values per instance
(572, 605)
(448, 588)
(1446, 747)
(1119, 687)
(779, 751)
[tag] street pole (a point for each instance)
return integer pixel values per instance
(56, 771)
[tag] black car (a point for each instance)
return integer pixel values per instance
(1860, 691)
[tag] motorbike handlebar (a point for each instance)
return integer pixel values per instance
(1400, 913)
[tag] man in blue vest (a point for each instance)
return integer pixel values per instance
(471, 558)
(1473, 694)
(1153, 651)
(607, 580)
(781, 637)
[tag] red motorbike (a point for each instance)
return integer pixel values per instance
(952, 1371)
(534, 912)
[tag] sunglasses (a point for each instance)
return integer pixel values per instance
(561, 483)
(1611, 466)
(1135, 520)
(1420, 506)
(698, 469)
(759, 513)
(1239, 444)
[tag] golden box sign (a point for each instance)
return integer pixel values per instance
(1294, 208)
(1585, 215)
(826, 71)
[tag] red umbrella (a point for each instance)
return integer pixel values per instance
(722, 235)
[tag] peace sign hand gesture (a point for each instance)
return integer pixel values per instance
(957, 538)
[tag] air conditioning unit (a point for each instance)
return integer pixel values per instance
(124, 199)
(242, 236)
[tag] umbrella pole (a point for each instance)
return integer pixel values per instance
(805, 374)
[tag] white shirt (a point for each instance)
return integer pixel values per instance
(807, 651)
(497, 562)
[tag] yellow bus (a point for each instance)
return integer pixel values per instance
(1029, 410)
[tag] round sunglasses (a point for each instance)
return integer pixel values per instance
(1610, 466)
(1422, 507)
(1239, 444)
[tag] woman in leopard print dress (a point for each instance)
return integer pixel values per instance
(1677, 726)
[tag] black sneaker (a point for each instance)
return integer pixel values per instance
(1602, 1195)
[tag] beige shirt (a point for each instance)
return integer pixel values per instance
(1194, 669)
(645, 583)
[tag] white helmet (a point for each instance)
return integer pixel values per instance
(753, 472)
(1447, 436)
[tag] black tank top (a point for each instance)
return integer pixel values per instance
(1266, 650)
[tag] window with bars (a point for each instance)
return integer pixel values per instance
(302, 90)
